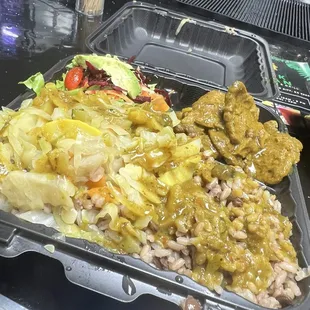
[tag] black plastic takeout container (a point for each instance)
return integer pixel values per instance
(125, 278)
(205, 50)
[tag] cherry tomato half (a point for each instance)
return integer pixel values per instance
(74, 78)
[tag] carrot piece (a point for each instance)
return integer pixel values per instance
(145, 93)
(101, 191)
(159, 104)
(117, 95)
(100, 183)
(100, 188)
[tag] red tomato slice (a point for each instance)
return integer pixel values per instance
(74, 78)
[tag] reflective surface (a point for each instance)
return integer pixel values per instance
(34, 35)
(39, 283)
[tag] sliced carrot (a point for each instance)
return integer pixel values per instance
(117, 95)
(100, 183)
(110, 93)
(90, 92)
(102, 192)
(145, 93)
(100, 188)
(159, 104)
(149, 93)
(158, 101)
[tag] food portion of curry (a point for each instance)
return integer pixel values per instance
(100, 155)
(231, 122)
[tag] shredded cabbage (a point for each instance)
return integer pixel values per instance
(39, 217)
(30, 191)
(180, 174)
(133, 174)
(187, 150)
(66, 149)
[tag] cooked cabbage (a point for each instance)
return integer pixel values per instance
(30, 191)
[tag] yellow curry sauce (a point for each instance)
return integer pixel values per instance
(231, 123)
(224, 126)
(216, 250)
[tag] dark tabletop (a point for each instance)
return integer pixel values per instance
(34, 35)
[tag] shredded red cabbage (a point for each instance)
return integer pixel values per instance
(142, 99)
(99, 83)
(94, 76)
(93, 73)
(84, 82)
(131, 59)
(117, 88)
(143, 79)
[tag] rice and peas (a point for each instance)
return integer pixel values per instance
(121, 177)
(180, 250)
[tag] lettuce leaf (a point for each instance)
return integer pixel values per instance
(60, 84)
(35, 82)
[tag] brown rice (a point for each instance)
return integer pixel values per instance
(177, 254)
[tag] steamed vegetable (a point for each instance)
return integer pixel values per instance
(29, 191)
(68, 129)
(76, 139)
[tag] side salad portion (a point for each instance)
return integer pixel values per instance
(92, 73)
